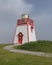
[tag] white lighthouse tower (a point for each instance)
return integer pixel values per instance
(25, 31)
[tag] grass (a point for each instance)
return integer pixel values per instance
(40, 46)
(10, 58)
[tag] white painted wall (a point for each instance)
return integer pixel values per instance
(23, 29)
(32, 35)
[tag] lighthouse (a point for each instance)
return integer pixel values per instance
(25, 30)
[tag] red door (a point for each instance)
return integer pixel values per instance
(20, 38)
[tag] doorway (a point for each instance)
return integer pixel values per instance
(20, 38)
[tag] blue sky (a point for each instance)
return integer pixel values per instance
(39, 10)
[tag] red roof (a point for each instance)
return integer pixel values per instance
(24, 21)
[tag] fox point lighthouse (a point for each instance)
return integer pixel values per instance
(25, 30)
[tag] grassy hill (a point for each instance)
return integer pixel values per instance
(10, 58)
(40, 46)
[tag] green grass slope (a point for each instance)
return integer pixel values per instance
(40, 46)
(10, 58)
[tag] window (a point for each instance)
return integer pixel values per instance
(31, 28)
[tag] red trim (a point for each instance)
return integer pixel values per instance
(25, 21)
(27, 33)
(21, 24)
(20, 21)
(25, 24)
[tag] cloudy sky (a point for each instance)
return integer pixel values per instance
(39, 10)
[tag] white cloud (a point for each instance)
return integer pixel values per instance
(17, 6)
